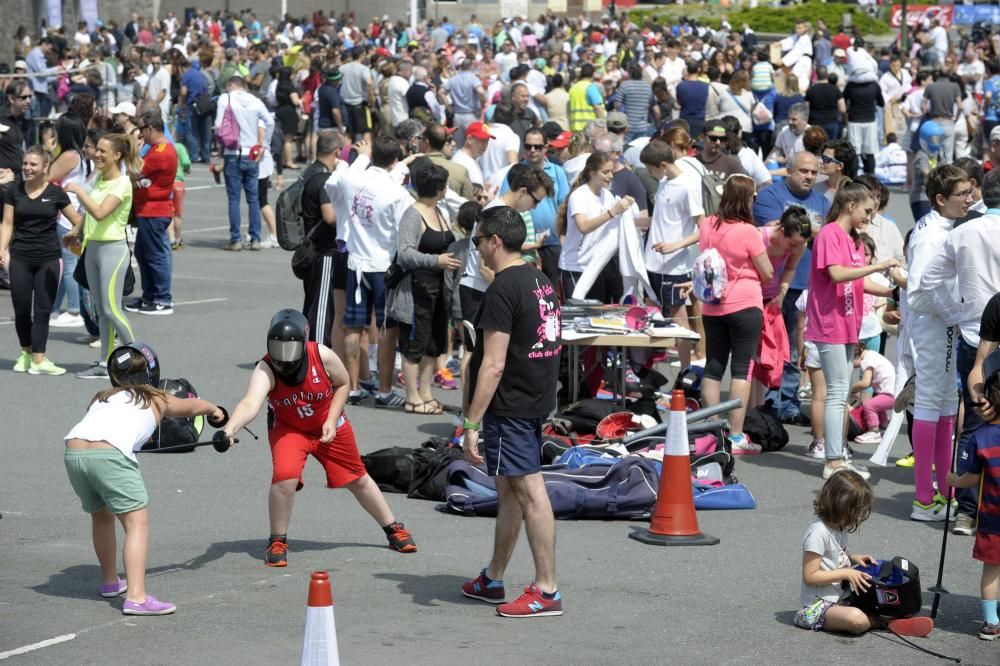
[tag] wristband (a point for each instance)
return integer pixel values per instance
(471, 425)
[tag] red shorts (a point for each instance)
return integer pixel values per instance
(291, 447)
(987, 548)
(178, 198)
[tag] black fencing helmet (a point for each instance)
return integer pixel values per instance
(286, 342)
(134, 364)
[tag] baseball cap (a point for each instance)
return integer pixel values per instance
(20, 64)
(551, 130)
(617, 120)
(995, 134)
(128, 108)
(479, 130)
(841, 41)
(561, 140)
(715, 130)
(839, 53)
(334, 74)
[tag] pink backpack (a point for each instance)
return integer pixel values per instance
(228, 133)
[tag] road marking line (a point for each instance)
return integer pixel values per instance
(205, 229)
(202, 187)
(37, 646)
(212, 279)
(204, 300)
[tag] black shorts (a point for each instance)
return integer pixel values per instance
(340, 271)
(470, 299)
(664, 286)
(511, 446)
(263, 185)
(360, 117)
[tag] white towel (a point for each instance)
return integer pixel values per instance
(630, 261)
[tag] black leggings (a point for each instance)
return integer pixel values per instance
(736, 334)
(33, 282)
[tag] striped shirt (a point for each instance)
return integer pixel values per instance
(635, 99)
(761, 77)
(984, 448)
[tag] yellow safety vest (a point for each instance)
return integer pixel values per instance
(581, 111)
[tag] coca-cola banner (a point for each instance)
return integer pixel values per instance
(917, 14)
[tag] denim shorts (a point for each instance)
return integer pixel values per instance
(511, 446)
(364, 298)
(105, 477)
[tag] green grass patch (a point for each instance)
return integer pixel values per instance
(769, 19)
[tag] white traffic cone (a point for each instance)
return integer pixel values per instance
(319, 647)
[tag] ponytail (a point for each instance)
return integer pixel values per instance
(128, 148)
(848, 193)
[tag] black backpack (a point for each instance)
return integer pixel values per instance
(421, 473)
(290, 226)
(763, 428)
(177, 430)
(390, 468)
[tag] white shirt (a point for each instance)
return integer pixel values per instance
(677, 204)
(672, 71)
(893, 88)
(634, 149)
(159, 82)
(580, 249)
(940, 38)
(787, 143)
(376, 202)
(964, 274)
(399, 110)
(495, 157)
(573, 166)
(922, 297)
(336, 193)
(471, 276)
(888, 240)
(883, 374)
(250, 114)
(475, 173)
(119, 422)
(754, 166)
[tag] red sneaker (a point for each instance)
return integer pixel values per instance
(912, 626)
(532, 604)
(477, 588)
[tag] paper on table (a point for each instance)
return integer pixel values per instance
(881, 455)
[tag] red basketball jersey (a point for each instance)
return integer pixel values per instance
(305, 406)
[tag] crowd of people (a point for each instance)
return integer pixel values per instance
(754, 180)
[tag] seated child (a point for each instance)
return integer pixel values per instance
(842, 505)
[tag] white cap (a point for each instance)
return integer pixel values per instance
(128, 108)
(20, 64)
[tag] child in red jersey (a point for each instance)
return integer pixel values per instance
(306, 386)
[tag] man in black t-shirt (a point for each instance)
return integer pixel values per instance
(826, 104)
(863, 132)
(511, 387)
(321, 224)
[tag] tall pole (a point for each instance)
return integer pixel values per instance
(904, 28)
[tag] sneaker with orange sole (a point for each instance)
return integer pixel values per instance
(532, 604)
(276, 554)
(445, 380)
(400, 538)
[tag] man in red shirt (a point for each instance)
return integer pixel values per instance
(154, 208)
(305, 386)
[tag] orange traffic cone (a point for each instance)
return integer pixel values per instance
(319, 647)
(674, 522)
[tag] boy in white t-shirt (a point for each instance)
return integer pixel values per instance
(677, 214)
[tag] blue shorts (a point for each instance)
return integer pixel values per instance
(511, 446)
(363, 299)
(664, 287)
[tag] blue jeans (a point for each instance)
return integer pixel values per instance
(968, 498)
(242, 172)
(199, 140)
(785, 400)
(156, 262)
(67, 285)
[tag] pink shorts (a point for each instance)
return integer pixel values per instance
(340, 458)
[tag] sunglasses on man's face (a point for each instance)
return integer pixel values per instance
(716, 139)
(25, 98)
(534, 146)
(476, 240)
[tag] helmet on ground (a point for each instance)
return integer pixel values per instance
(931, 136)
(134, 364)
(286, 340)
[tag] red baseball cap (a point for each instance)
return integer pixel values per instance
(841, 41)
(479, 130)
(562, 140)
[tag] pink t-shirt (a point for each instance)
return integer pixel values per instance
(770, 290)
(738, 243)
(834, 310)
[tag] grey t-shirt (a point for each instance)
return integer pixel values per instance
(353, 89)
(819, 538)
(462, 87)
(942, 96)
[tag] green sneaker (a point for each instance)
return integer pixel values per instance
(22, 362)
(46, 367)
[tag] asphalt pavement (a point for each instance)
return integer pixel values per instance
(625, 602)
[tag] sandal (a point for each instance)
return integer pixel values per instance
(421, 408)
(437, 406)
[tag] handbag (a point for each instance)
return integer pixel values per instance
(394, 274)
(761, 114)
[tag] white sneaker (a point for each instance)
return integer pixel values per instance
(67, 320)
(870, 437)
(95, 344)
(847, 465)
(744, 447)
(928, 513)
(816, 450)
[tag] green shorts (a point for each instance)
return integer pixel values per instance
(105, 477)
